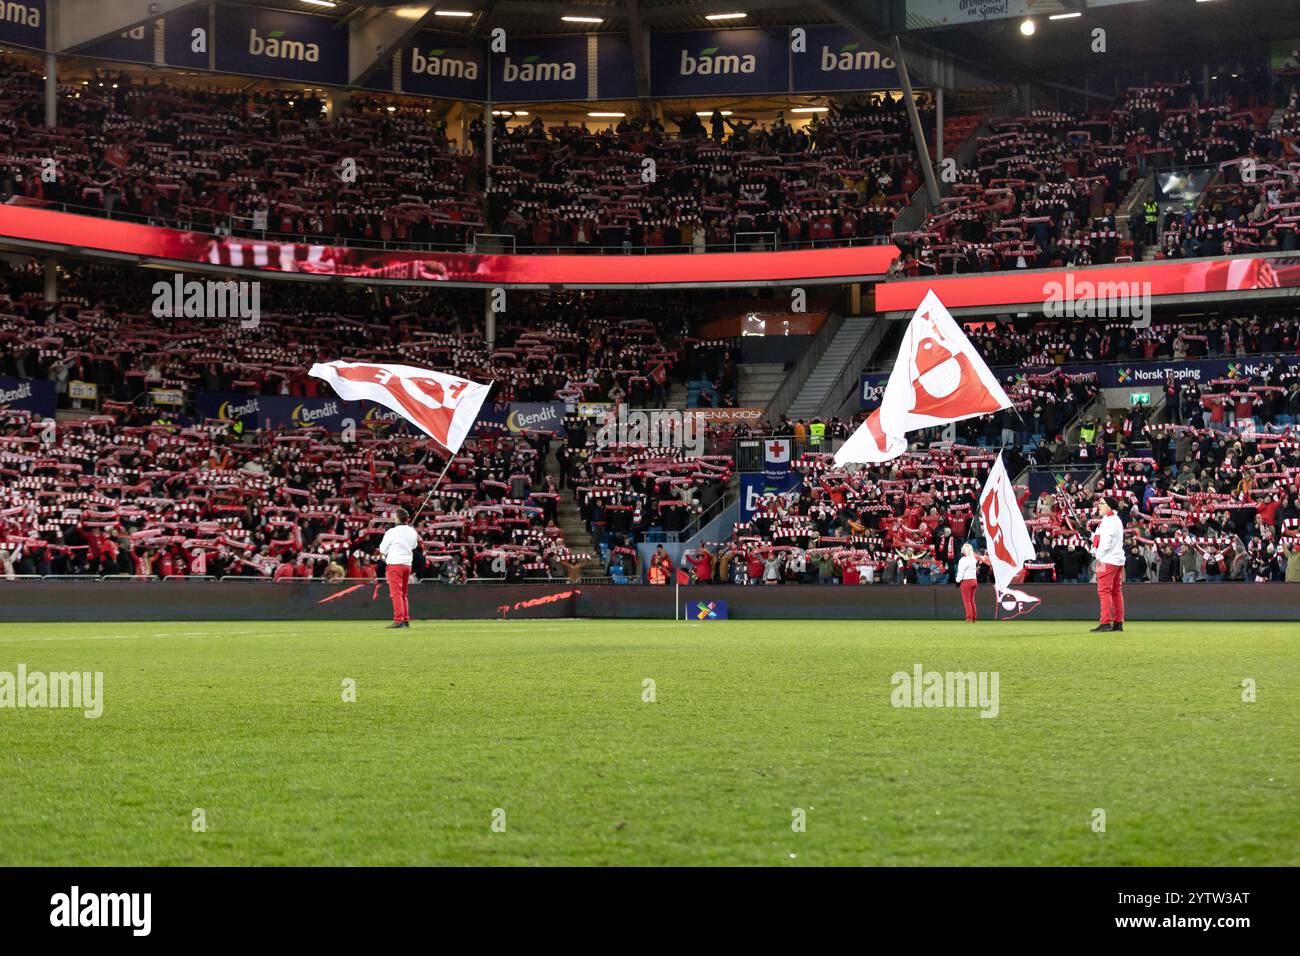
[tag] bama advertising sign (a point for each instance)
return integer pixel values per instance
(830, 58)
(871, 386)
(436, 64)
(294, 46)
(520, 417)
(534, 69)
(135, 45)
(703, 62)
(288, 411)
(23, 23)
(1095, 286)
(90, 233)
(27, 394)
(185, 38)
(755, 487)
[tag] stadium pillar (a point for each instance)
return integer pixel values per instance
(488, 119)
(51, 90)
(51, 279)
(938, 124)
(489, 321)
(913, 117)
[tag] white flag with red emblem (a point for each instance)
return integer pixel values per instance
(444, 407)
(938, 378)
(1005, 532)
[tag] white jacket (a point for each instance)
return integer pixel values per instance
(1109, 541)
(399, 544)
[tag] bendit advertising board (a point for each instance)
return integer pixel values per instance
(288, 411)
(27, 394)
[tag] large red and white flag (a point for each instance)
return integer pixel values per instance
(444, 407)
(1007, 536)
(938, 378)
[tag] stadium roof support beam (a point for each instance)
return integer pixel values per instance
(85, 21)
(656, 11)
(379, 33)
(913, 117)
(640, 54)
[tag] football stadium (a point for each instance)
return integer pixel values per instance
(640, 433)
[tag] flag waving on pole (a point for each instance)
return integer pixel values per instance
(444, 407)
(938, 378)
(1009, 543)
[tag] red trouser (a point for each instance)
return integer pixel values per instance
(968, 597)
(1110, 588)
(399, 579)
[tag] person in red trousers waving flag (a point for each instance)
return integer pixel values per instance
(442, 406)
(1108, 549)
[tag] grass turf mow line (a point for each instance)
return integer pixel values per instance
(527, 743)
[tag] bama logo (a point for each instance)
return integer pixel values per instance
(304, 416)
(850, 57)
(276, 47)
(535, 70)
(20, 14)
(434, 63)
(712, 63)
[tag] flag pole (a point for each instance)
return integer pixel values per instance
(435, 486)
(677, 594)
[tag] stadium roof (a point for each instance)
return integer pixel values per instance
(539, 17)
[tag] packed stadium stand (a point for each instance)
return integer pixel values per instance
(1174, 164)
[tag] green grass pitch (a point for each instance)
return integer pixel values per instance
(751, 722)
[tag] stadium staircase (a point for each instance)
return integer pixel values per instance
(821, 386)
(757, 383)
(569, 518)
